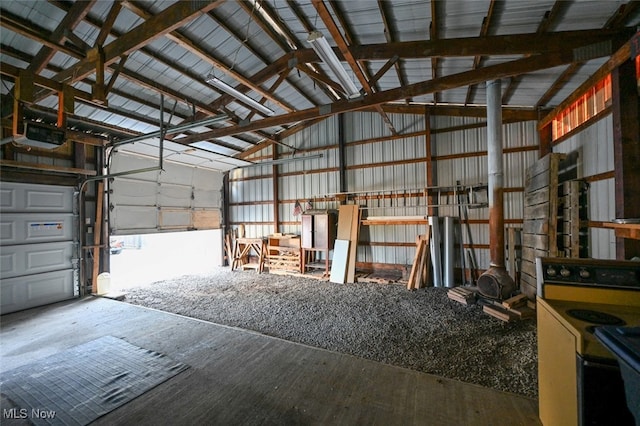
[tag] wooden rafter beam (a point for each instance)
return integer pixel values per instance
(434, 36)
(549, 20)
(616, 22)
(107, 26)
(186, 43)
(503, 70)
(29, 30)
(343, 45)
(75, 15)
(241, 38)
(389, 33)
(492, 45)
(487, 23)
(297, 11)
(619, 57)
(166, 21)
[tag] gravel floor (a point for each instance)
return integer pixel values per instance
(422, 330)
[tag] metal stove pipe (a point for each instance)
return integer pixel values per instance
(495, 282)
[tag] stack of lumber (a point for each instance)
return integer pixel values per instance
(419, 276)
(540, 218)
(463, 295)
(515, 308)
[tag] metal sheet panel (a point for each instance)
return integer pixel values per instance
(36, 290)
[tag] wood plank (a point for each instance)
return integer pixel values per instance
(500, 313)
(536, 241)
(539, 167)
(528, 267)
(535, 226)
(539, 211)
(538, 196)
(515, 301)
(511, 252)
(412, 284)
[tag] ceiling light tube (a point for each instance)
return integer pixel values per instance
(219, 84)
(325, 52)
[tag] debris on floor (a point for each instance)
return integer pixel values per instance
(515, 308)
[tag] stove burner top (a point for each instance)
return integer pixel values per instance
(595, 317)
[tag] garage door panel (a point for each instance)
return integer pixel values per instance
(28, 259)
(207, 180)
(36, 290)
(177, 174)
(16, 197)
(171, 195)
(181, 194)
(124, 163)
(204, 198)
(178, 219)
(206, 219)
(132, 218)
(27, 228)
(135, 192)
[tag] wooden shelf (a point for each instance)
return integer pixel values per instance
(625, 230)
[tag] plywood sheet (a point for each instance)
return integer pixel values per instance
(340, 261)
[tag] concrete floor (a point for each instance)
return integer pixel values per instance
(241, 377)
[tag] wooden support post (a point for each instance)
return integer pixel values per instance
(626, 151)
(511, 247)
(66, 105)
(23, 94)
(98, 91)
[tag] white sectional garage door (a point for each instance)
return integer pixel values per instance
(179, 198)
(38, 245)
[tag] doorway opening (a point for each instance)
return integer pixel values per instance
(145, 259)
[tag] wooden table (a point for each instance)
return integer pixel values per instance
(242, 250)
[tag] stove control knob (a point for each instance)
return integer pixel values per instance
(564, 272)
(584, 273)
(551, 271)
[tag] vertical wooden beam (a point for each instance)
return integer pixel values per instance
(626, 151)
(545, 135)
(66, 105)
(342, 154)
(276, 190)
(429, 161)
(23, 93)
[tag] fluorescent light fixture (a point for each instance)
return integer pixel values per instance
(219, 84)
(325, 52)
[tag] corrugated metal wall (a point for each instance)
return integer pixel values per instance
(520, 142)
(595, 147)
(382, 174)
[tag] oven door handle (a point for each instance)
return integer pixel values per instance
(598, 364)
